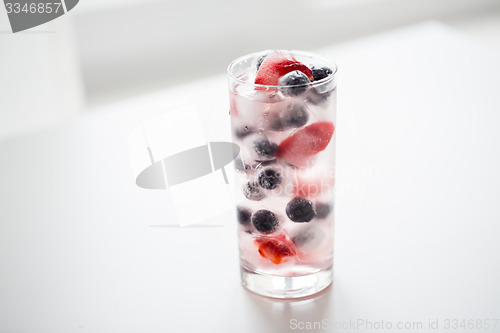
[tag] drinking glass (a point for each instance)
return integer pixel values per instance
(285, 175)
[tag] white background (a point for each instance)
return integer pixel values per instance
(82, 249)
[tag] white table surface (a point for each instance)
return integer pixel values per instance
(417, 210)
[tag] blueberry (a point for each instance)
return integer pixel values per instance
(278, 125)
(294, 116)
(315, 97)
(269, 179)
(252, 192)
(297, 82)
(276, 122)
(322, 210)
(243, 215)
(321, 73)
(265, 221)
(303, 237)
(260, 60)
(297, 116)
(300, 210)
(265, 148)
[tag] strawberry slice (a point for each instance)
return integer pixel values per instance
(275, 65)
(276, 249)
(309, 188)
(310, 183)
(306, 142)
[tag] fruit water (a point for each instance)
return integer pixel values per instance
(282, 109)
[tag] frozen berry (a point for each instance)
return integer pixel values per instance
(322, 210)
(276, 250)
(293, 116)
(321, 73)
(306, 142)
(265, 148)
(275, 65)
(310, 239)
(269, 179)
(243, 215)
(315, 97)
(303, 237)
(300, 210)
(260, 60)
(252, 192)
(295, 83)
(312, 187)
(265, 221)
(296, 116)
(274, 121)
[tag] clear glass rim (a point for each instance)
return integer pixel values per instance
(325, 80)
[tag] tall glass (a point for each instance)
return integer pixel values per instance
(285, 172)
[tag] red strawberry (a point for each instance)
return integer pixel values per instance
(275, 65)
(306, 142)
(308, 188)
(276, 249)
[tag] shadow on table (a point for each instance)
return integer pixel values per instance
(302, 315)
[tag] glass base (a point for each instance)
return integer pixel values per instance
(286, 287)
